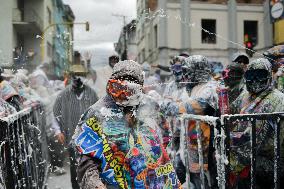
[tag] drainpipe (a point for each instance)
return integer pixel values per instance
(163, 56)
(185, 30)
(232, 27)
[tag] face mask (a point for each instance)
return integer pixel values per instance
(257, 80)
(125, 93)
(231, 77)
(177, 72)
(255, 87)
(78, 84)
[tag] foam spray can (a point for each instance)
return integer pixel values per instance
(223, 98)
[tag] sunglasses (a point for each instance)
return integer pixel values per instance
(257, 74)
(122, 89)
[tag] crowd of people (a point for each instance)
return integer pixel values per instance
(121, 128)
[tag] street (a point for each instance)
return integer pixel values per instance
(60, 181)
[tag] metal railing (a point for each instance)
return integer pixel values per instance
(223, 128)
(23, 160)
(274, 121)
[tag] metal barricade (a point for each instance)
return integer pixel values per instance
(273, 120)
(212, 122)
(24, 152)
(223, 128)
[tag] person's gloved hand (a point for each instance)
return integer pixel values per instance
(61, 138)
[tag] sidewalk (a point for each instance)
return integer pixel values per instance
(60, 182)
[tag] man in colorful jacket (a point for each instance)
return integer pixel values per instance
(118, 137)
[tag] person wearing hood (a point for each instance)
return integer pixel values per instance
(8, 92)
(151, 82)
(233, 76)
(176, 92)
(103, 74)
(168, 68)
(118, 137)
(202, 100)
(70, 104)
(41, 84)
(39, 77)
(260, 97)
(275, 55)
(91, 78)
(176, 89)
(20, 82)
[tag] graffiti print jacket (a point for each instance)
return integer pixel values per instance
(120, 155)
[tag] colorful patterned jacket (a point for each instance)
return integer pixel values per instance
(123, 155)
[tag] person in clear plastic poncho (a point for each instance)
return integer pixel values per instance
(260, 97)
(202, 100)
(275, 55)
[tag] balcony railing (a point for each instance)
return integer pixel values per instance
(223, 140)
(30, 16)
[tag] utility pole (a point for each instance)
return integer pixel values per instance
(124, 54)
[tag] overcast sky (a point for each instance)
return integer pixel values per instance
(104, 28)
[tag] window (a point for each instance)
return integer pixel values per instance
(210, 26)
(250, 32)
(49, 15)
(155, 36)
(49, 49)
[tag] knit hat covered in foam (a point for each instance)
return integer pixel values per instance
(128, 69)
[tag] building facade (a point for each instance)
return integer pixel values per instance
(27, 38)
(215, 28)
(128, 41)
(22, 24)
(62, 38)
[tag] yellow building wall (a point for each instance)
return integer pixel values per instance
(279, 32)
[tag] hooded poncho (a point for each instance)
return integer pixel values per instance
(68, 109)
